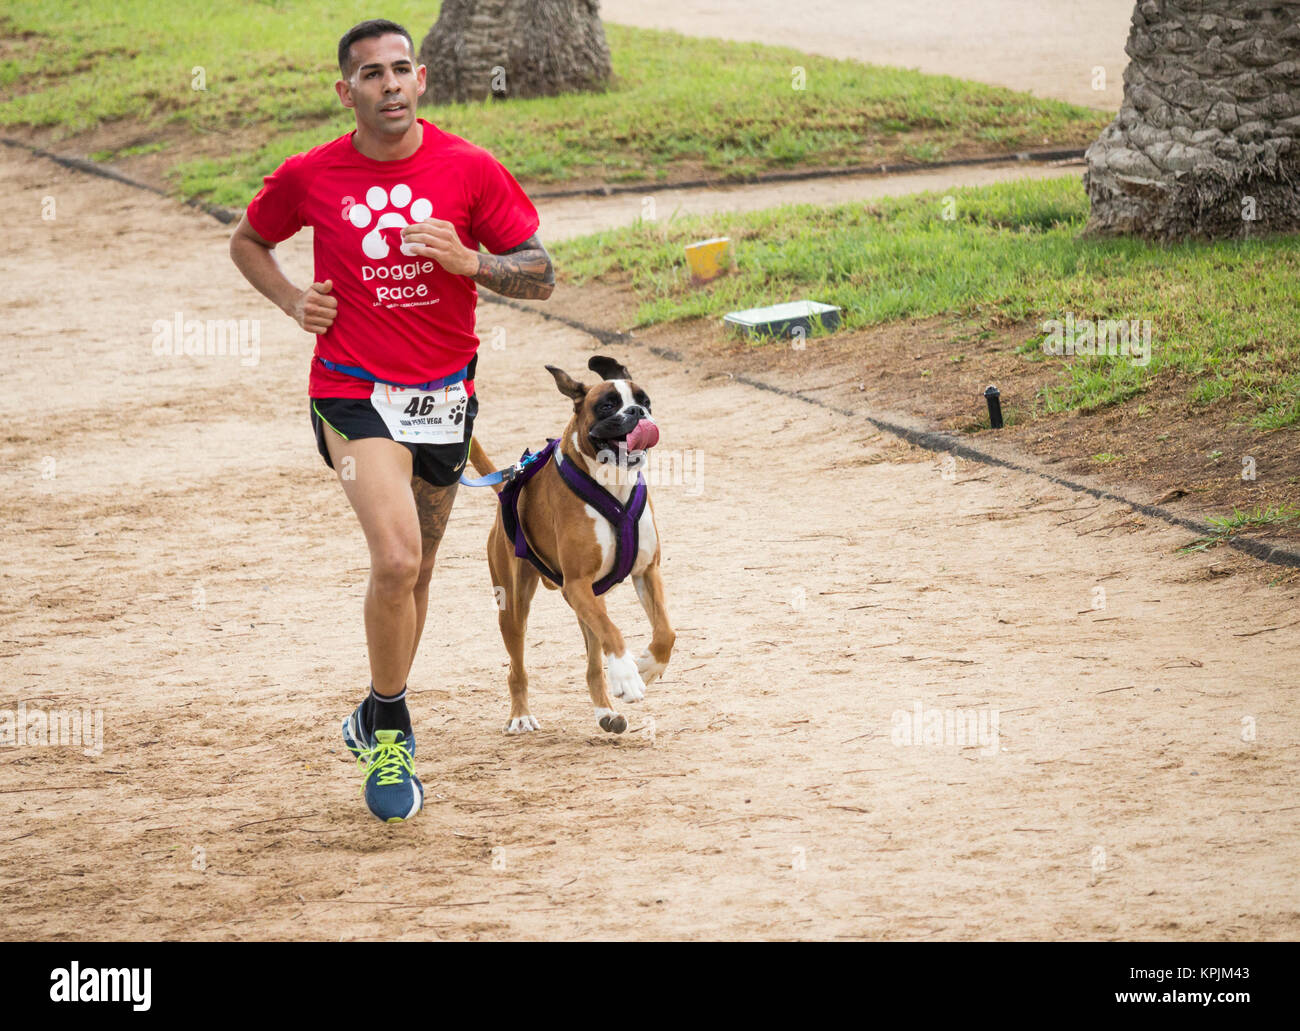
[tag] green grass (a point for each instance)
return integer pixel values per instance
(1091, 384)
(1283, 400)
(95, 61)
(126, 152)
(680, 104)
(1226, 526)
(1222, 315)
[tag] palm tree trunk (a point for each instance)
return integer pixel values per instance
(1206, 141)
(514, 48)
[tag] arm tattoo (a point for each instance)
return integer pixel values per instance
(523, 271)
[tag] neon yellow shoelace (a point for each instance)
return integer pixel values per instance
(389, 759)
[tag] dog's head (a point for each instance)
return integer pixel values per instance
(610, 413)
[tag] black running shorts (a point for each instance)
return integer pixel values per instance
(355, 417)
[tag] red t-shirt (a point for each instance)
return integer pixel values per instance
(404, 319)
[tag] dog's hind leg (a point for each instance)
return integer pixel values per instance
(605, 715)
(650, 592)
(514, 586)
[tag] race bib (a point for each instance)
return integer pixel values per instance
(423, 416)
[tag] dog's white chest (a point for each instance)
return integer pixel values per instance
(647, 541)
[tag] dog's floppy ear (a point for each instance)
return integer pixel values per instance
(569, 386)
(607, 368)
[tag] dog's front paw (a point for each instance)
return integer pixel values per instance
(649, 667)
(624, 680)
(523, 724)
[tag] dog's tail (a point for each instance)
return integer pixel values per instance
(482, 464)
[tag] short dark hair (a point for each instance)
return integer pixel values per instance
(371, 29)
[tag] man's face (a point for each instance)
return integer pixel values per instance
(384, 84)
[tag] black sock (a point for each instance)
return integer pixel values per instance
(384, 712)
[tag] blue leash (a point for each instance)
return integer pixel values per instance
(502, 475)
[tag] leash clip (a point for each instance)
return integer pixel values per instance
(504, 476)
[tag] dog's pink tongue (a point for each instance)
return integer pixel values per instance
(645, 434)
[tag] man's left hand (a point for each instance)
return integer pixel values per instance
(437, 239)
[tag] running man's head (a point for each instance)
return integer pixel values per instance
(381, 80)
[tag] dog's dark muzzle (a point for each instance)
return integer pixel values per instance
(635, 431)
(613, 429)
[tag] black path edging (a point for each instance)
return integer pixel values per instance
(922, 439)
(221, 214)
(229, 216)
(826, 173)
(929, 441)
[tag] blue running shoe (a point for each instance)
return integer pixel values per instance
(393, 791)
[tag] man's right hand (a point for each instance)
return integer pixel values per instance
(315, 309)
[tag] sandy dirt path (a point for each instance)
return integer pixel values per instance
(564, 217)
(177, 558)
(1048, 47)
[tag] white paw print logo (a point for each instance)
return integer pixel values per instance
(377, 198)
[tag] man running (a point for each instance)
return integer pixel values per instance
(399, 209)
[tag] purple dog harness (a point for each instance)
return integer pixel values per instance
(623, 518)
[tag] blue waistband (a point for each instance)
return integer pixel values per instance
(360, 373)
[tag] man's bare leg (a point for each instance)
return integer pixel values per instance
(376, 476)
(380, 492)
(433, 505)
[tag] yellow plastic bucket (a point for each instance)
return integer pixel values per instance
(709, 259)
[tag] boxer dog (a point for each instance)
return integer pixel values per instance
(580, 520)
